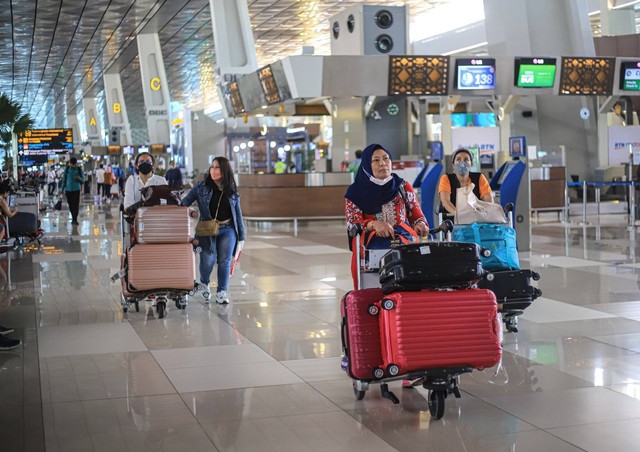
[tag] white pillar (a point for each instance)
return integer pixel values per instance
(116, 107)
(154, 88)
(94, 130)
(233, 37)
(74, 125)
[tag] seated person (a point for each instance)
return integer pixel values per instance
(380, 201)
(461, 177)
(144, 178)
(23, 223)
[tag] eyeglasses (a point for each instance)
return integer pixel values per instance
(145, 161)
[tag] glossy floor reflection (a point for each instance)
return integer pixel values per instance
(263, 373)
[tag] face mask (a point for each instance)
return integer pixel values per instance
(380, 181)
(461, 168)
(145, 168)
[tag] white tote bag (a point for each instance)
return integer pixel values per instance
(469, 209)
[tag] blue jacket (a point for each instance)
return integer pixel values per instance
(203, 195)
(68, 179)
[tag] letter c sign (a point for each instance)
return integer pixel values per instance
(155, 83)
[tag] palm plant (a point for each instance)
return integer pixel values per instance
(11, 121)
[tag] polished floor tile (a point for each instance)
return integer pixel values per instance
(263, 373)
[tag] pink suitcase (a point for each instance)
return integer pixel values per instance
(163, 224)
(161, 266)
(435, 329)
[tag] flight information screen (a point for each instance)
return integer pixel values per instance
(476, 73)
(45, 142)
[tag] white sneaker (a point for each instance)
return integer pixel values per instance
(222, 297)
(206, 295)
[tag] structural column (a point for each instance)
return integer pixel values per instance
(94, 130)
(117, 110)
(74, 125)
(154, 88)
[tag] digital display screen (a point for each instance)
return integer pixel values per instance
(630, 76)
(517, 147)
(476, 73)
(45, 142)
(535, 72)
(437, 150)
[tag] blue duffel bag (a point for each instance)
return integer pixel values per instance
(500, 239)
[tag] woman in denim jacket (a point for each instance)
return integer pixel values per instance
(218, 192)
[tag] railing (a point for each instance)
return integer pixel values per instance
(597, 186)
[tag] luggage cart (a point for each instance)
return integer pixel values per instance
(159, 296)
(439, 382)
(24, 227)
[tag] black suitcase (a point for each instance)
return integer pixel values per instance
(23, 223)
(431, 265)
(514, 292)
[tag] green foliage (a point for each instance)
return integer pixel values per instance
(11, 120)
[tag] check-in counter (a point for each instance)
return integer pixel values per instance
(300, 195)
(548, 186)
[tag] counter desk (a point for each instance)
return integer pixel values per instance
(293, 197)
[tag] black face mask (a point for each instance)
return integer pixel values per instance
(145, 168)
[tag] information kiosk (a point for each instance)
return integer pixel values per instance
(427, 181)
(508, 187)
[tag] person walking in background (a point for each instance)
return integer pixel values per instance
(353, 166)
(51, 181)
(72, 180)
(174, 176)
(108, 182)
(100, 180)
(218, 198)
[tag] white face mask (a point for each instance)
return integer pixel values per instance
(380, 181)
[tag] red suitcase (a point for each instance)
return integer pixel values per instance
(361, 333)
(439, 329)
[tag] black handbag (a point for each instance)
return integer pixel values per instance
(58, 204)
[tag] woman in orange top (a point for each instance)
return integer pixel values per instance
(461, 177)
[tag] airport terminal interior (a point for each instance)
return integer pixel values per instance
(265, 372)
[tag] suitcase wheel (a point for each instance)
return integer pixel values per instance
(436, 403)
(388, 304)
(160, 307)
(486, 252)
(538, 292)
(393, 370)
(535, 276)
(372, 309)
(359, 393)
(489, 276)
(378, 373)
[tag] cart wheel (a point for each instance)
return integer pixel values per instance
(125, 309)
(359, 393)
(160, 308)
(137, 306)
(436, 403)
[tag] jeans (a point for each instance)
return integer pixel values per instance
(222, 253)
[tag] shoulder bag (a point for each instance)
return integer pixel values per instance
(469, 209)
(209, 228)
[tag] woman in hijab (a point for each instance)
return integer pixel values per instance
(382, 203)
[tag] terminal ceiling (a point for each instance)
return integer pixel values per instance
(55, 52)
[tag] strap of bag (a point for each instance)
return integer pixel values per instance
(218, 208)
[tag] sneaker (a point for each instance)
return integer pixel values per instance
(222, 297)
(6, 343)
(4, 330)
(206, 295)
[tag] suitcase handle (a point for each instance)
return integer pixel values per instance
(343, 327)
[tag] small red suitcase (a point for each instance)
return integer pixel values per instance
(361, 333)
(439, 329)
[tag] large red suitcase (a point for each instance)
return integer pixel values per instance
(361, 333)
(439, 329)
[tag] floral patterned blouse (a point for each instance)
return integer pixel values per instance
(399, 210)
